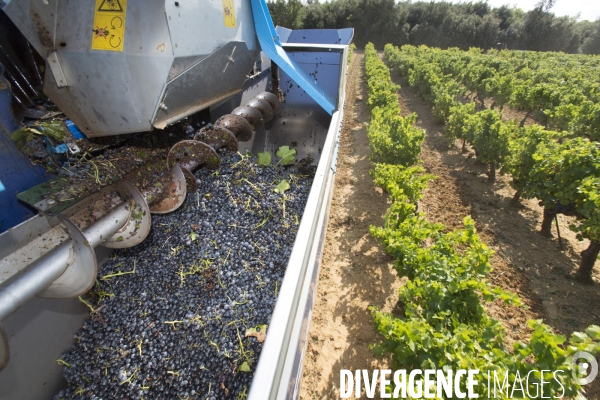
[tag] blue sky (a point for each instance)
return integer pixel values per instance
(588, 9)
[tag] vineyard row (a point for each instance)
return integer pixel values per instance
(559, 168)
(444, 324)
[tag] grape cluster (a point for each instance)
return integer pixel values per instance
(170, 315)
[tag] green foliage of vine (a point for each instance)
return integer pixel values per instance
(398, 180)
(558, 167)
(393, 139)
(567, 173)
(522, 147)
(444, 323)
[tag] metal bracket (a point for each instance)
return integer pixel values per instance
(56, 70)
(230, 58)
(73, 148)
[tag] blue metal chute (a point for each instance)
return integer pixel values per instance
(17, 172)
(271, 45)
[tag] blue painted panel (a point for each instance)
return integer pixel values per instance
(324, 67)
(17, 172)
(316, 36)
(306, 56)
(271, 45)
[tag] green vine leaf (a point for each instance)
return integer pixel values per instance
(282, 187)
(264, 159)
(244, 367)
(286, 154)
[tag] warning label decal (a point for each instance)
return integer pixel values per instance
(108, 32)
(229, 13)
(110, 5)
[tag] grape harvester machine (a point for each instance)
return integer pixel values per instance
(123, 66)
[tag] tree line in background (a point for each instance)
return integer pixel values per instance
(443, 24)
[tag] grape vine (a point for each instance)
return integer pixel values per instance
(556, 85)
(444, 322)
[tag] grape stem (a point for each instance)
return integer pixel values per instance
(105, 277)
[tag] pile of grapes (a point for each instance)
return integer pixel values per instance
(184, 313)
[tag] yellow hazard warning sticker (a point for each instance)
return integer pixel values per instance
(229, 13)
(108, 32)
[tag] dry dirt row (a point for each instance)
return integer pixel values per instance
(356, 273)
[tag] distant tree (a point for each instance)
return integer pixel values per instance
(339, 13)
(564, 37)
(289, 14)
(315, 16)
(585, 29)
(479, 32)
(443, 24)
(505, 16)
(543, 31)
(591, 44)
(435, 25)
(513, 35)
(415, 14)
(377, 21)
(480, 8)
(574, 46)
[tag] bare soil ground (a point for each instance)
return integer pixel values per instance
(357, 273)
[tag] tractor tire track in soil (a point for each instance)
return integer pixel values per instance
(355, 273)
